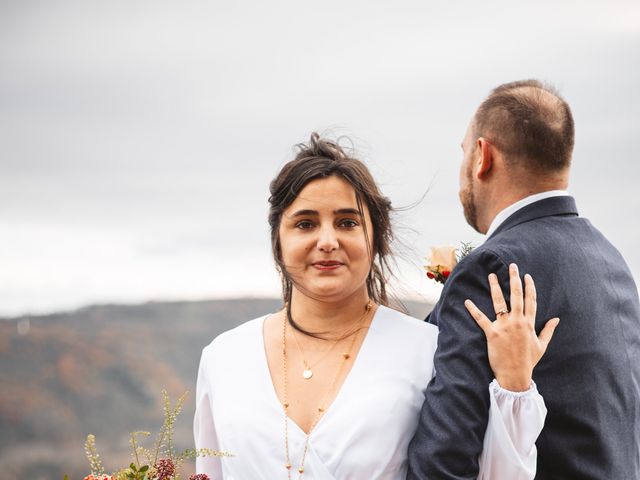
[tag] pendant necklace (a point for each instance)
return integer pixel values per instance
(322, 404)
(307, 372)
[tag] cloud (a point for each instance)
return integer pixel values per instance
(137, 140)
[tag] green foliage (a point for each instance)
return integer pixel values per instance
(132, 473)
(163, 449)
(465, 249)
(164, 442)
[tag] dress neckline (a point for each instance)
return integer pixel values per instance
(275, 400)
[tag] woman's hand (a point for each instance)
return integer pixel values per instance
(513, 346)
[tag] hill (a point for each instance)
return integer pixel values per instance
(101, 370)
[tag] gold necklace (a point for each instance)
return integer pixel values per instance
(322, 407)
(307, 371)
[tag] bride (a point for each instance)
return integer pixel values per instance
(330, 387)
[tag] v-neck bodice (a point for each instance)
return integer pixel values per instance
(362, 351)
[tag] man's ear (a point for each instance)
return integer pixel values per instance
(485, 159)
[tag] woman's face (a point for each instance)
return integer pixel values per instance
(322, 240)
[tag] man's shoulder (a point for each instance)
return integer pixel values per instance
(485, 256)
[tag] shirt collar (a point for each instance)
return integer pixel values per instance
(514, 207)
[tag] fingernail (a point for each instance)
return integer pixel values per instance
(513, 266)
(528, 276)
(492, 275)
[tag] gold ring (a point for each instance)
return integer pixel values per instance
(502, 312)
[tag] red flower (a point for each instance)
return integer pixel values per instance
(97, 477)
(446, 273)
(165, 468)
(199, 476)
(431, 275)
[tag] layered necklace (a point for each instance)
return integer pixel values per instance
(307, 373)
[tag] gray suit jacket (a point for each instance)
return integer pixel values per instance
(589, 377)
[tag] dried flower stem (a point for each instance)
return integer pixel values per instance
(92, 455)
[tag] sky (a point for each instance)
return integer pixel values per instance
(138, 138)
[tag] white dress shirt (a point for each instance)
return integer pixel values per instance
(514, 207)
(365, 432)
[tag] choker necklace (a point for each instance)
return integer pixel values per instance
(322, 406)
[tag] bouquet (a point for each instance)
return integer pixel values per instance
(161, 462)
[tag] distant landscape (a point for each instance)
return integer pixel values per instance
(101, 370)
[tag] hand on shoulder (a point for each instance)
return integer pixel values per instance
(513, 346)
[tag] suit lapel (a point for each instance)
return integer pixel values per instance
(553, 206)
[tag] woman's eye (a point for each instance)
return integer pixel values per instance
(349, 223)
(304, 224)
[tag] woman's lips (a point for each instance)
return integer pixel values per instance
(327, 265)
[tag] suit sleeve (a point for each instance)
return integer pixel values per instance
(454, 417)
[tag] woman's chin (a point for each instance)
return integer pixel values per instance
(331, 292)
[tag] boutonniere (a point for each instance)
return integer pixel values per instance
(443, 259)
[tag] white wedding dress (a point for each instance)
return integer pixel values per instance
(365, 432)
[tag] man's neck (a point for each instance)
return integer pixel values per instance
(504, 191)
(513, 207)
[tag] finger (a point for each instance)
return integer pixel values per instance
(516, 289)
(547, 332)
(481, 319)
(530, 296)
(499, 303)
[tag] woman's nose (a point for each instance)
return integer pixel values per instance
(327, 240)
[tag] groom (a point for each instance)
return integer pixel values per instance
(513, 181)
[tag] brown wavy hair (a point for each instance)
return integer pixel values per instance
(322, 158)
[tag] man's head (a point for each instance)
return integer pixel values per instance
(518, 143)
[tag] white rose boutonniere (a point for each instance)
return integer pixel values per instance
(442, 260)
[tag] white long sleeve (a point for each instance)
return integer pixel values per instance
(515, 421)
(204, 430)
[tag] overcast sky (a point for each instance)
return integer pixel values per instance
(138, 138)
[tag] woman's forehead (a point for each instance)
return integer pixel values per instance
(326, 193)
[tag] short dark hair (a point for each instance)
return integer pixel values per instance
(322, 158)
(529, 122)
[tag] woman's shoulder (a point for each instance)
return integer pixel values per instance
(410, 341)
(404, 324)
(231, 340)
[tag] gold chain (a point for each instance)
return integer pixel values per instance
(322, 407)
(307, 373)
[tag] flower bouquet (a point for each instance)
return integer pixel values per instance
(161, 462)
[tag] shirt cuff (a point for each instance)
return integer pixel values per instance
(499, 391)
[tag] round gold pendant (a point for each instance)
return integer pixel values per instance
(307, 374)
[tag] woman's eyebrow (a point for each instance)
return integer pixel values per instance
(347, 211)
(341, 211)
(305, 213)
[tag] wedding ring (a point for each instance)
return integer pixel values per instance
(502, 312)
